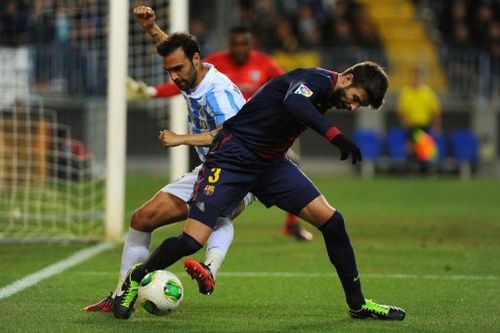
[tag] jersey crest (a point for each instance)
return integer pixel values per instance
(255, 75)
(303, 90)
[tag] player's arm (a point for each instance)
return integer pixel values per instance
(299, 101)
(139, 90)
(147, 20)
(171, 139)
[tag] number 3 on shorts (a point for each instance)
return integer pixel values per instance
(214, 175)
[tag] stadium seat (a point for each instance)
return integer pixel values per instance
(464, 146)
(370, 144)
(396, 144)
(465, 149)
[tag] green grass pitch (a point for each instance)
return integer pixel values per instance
(429, 246)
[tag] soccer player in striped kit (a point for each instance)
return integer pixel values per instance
(211, 99)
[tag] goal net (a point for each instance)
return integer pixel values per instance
(54, 117)
(48, 187)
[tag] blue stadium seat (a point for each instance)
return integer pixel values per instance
(464, 146)
(396, 144)
(369, 142)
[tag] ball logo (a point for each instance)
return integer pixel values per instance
(172, 290)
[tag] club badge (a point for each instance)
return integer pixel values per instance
(303, 90)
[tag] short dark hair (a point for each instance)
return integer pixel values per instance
(240, 29)
(185, 40)
(371, 77)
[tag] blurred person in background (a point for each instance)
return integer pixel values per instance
(249, 69)
(308, 27)
(13, 23)
(419, 113)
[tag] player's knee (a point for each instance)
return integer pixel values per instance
(225, 225)
(188, 244)
(335, 226)
(144, 219)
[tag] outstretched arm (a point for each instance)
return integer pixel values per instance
(171, 139)
(147, 19)
(138, 90)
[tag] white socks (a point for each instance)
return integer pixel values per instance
(218, 244)
(135, 249)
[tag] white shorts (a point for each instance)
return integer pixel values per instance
(182, 187)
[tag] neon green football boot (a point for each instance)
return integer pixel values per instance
(125, 298)
(377, 311)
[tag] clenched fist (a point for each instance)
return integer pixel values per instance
(169, 138)
(146, 16)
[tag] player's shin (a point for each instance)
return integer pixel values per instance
(341, 255)
(218, 244)
(135, 249)
(169, 252)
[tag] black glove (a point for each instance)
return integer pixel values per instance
(347, 147)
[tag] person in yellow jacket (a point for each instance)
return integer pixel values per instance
(419, 113)
(418, 105)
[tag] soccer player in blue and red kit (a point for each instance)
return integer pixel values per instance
(248, 155)
(249, 69)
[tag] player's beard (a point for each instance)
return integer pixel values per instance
(338, 95)
(189, 83)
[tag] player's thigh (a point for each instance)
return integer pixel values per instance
(169, 205)
(286, 187)
(164, 208)
(182, 187)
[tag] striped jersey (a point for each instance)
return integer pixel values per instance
(210, 103)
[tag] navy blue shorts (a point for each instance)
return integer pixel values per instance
(231, 170)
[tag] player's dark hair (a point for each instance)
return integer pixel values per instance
(239, 29)
(185, 40)
(371, 77)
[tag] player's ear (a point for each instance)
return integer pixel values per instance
(196, 60)
(345, 80)
(348, 78)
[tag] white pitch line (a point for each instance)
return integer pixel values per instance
(53, 269)
(323, 275)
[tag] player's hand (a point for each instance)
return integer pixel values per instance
(146, 17)
(169, 138)
(347, 147)
(138, 90)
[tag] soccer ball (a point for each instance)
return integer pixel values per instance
(160, 292)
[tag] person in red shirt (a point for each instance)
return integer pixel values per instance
(249, 69)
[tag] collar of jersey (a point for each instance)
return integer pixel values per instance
(204, 85)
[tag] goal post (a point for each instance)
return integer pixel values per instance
(179, 156)
(117, 119)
